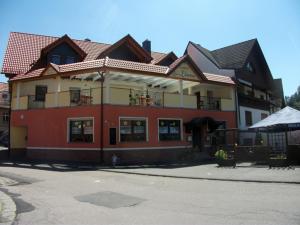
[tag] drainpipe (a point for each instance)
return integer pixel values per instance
(9, 114)
(237, 108)
(101, 117)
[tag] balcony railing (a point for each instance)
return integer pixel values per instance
(34, 104)
(124, 96)
(209, 103)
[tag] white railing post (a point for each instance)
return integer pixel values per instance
(181, 92)
(58, 83)
(18, 95)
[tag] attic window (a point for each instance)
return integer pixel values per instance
(70, 59)
(250, 67)
(55, 59)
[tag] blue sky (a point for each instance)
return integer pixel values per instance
(169, 25)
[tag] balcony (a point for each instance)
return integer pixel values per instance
(251, 101)
(124, 96)
(34, 104)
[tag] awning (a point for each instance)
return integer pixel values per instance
(286, 117)
(203, 121)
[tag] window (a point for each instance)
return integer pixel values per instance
(5, 117)
(250, 67)
(169, 130)
(74, 95)
(81, 130)
(70, 59)
(4, 96)
(248, 116)
(55, 59)
(132, 130)
(264, 115)
(40, 93)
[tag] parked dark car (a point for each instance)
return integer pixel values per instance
(4, 139)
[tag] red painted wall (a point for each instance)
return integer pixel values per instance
(48, 127)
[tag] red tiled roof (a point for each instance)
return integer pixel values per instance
(218, 78)
(3, 87)
(116, 64)
(23, 49)
(122, 64)
(81, 66)
(157, 56)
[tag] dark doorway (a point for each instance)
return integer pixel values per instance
(112, 136)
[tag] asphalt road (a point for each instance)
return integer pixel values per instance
(98, 197)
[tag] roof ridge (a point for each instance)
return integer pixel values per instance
(42, 35)
(253, 39)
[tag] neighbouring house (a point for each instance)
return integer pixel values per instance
(257, 93)
(86, 101)
(4, 108)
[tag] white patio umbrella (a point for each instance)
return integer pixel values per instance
(285, 116)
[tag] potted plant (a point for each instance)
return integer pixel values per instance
(278, 160)
(223, 159)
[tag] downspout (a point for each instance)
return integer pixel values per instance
(9, 114)
(101, 118)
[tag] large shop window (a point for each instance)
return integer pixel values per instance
(132, 130)
(81, 130)
(169, 130)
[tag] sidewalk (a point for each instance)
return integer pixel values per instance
(7, 205)
(243, 172)
(7, 209)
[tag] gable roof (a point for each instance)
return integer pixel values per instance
(24, 49)
(67, 40)
(233, 56)
(188, 59)
(165, 56)
(206, 52)
(134, 46)
(3, 86)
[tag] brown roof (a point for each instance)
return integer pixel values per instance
(3, 86)
(24, 49)
(219, 78)
(118, 64)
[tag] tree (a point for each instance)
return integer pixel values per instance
(294, 100)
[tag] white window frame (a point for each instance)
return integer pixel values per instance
(82, 119)
(133, 118)
(181, 127)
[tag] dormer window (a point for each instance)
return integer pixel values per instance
(70, 59)
(55, 59)
(250, 67)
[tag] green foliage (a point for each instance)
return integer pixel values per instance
(294, 100)
(221, 154)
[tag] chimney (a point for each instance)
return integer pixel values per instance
(147, 45)
(87, 39)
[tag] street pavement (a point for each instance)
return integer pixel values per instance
(243, 172)
(103, 197)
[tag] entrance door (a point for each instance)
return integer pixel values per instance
(18, 141)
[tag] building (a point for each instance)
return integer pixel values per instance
(85, 101)
(4, 108)
(258, 94)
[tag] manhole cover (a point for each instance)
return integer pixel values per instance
(110, 199)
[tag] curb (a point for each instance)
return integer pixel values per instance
(7, 209)
(202, 178)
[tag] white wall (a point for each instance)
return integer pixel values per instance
(256, 116)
